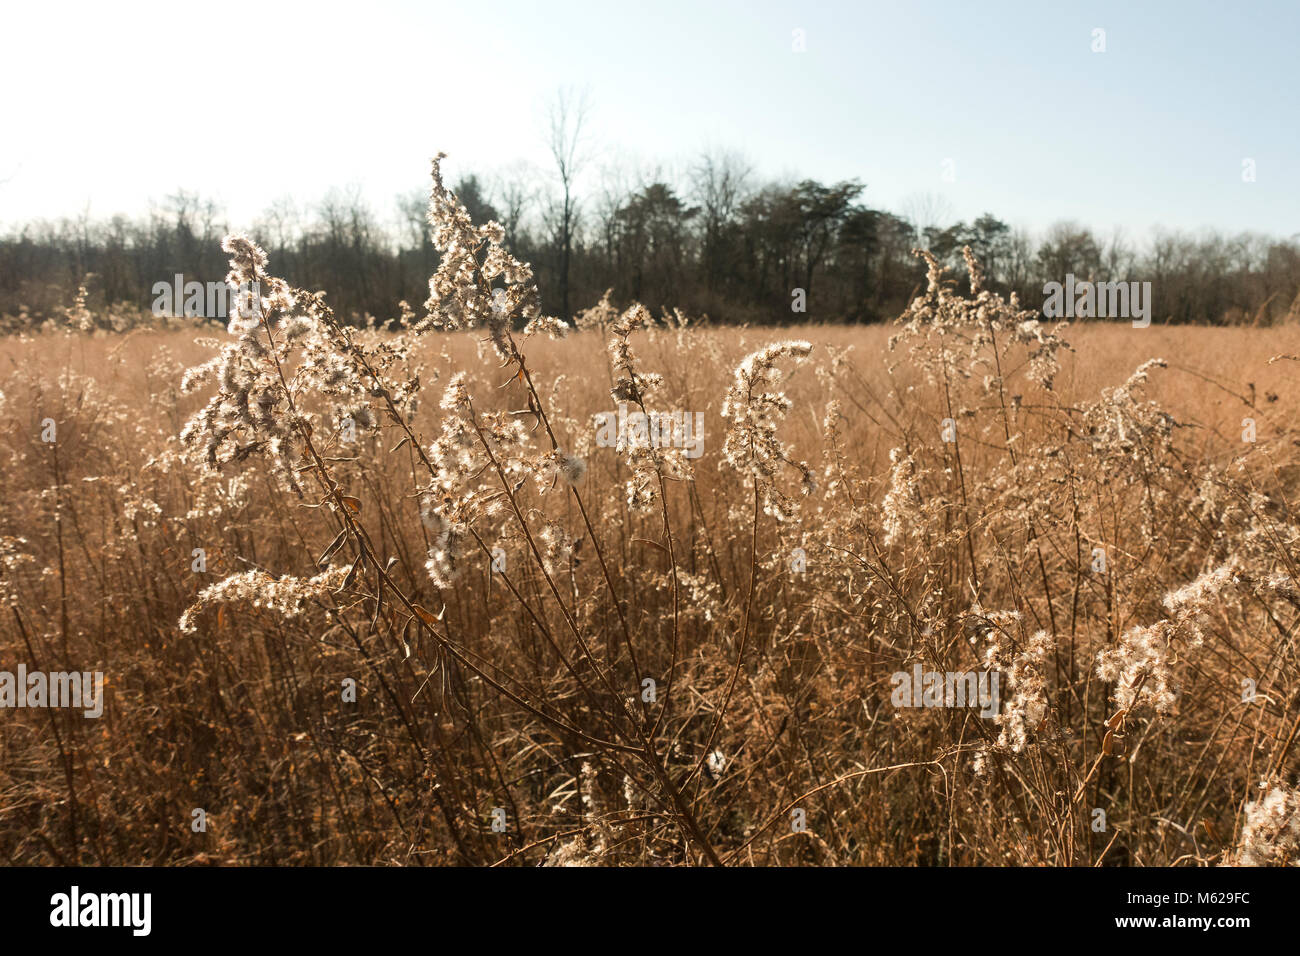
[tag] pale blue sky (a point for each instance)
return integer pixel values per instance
(111, 105)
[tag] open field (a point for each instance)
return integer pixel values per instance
(498, 586)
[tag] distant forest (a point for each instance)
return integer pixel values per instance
(720, 244)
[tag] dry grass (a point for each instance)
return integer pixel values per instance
(1122, 688)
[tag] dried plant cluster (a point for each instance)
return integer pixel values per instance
(567, 654)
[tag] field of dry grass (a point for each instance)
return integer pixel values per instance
(979, 496)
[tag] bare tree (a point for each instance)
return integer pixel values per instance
(1117, 256)
(1021, 268)
(567, 117)
(926, 211)
(719, 181)
(280, 224)
(514, 194)
(613, 194)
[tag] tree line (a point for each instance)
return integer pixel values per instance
(718, 243)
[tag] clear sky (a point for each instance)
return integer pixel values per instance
(108, 106)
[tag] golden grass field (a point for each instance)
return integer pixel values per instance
(502, 717)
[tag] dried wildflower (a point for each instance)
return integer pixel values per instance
(13, 556)
(1141, 668)
(600, 317)
(900, 511)
(650, 458)
(755, 406)
(461, 295)
(1129, 437)
(1191, 603)
(547, 324)
(557, 547)
(952, 337)
(716, 763)
(572, 469)
(460, 491)
(450, 502)
(1026, 677)
(287, 346)
(1141, 665)
(80, 317)
(284, 596)
(1270, 835)
(835, 452)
